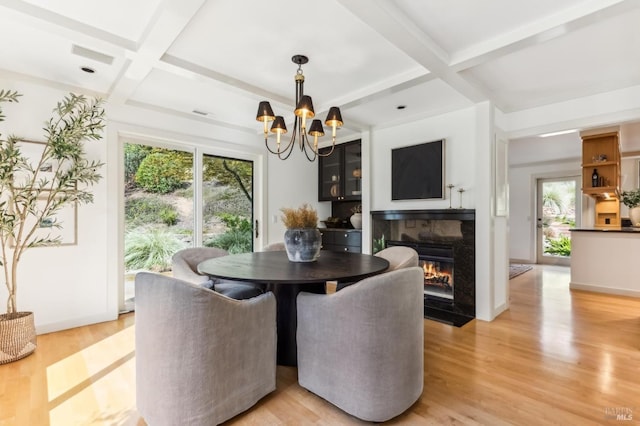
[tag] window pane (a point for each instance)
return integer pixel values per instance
(158, 208)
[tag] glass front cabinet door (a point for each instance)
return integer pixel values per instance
(339, 174)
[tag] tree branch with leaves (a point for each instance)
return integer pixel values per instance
(30, 198)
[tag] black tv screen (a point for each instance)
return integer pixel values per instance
(417, 171)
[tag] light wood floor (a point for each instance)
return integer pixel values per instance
(556, 357)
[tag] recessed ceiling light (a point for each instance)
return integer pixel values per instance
(401, 107)
(88, 70)
(562, 132)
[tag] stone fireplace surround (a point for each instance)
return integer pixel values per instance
(453, 228)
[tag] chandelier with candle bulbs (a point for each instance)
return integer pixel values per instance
(304, 110)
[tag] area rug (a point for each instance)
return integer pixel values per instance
(518, 269)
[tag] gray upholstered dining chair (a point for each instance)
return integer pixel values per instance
(398, 257)
(189, 371)
(184, 265)
(362, 348)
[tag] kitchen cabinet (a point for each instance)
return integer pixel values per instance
(340, 174)
(344, 240)
(601, 176)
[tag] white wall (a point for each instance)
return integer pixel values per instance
(291, 183)
(459, 131)
(64, 286)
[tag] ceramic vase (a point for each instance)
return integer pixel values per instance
(302, 244)
(356, 220)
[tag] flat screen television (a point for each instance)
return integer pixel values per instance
(417, 171)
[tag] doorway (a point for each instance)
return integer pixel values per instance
(558, 210)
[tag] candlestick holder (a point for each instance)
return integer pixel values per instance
(450, 186)
(460, 191)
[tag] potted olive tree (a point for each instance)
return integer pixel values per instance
(631, 199)
(37, 181)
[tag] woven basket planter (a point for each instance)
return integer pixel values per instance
(17, 336)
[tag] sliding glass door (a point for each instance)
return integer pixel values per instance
(177, 198)
(227, 203)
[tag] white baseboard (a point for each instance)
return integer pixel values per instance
(76, 322)
(606, 290)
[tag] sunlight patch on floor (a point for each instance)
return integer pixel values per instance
(91, 387)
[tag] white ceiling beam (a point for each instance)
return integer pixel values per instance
(168, 22)
(393, 84)
(83, 35)
(543, 30)
(385, 18)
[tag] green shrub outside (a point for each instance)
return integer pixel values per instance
(148, 210)
(169, 216)
(568, 221)
(560, 246)
(133, 156)
(162, 172)
(234, 241)
(237, 239)
(150, 249)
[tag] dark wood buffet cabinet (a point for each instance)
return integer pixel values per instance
(345, 240)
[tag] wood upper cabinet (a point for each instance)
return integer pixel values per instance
(601, 155)
(340, 174)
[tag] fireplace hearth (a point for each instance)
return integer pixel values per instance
(445, 242)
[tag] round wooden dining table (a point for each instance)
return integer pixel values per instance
(286, 279)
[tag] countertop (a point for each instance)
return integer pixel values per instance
(625, 229)
(340, 229)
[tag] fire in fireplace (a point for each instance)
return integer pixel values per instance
(438, 277)
(437, 264)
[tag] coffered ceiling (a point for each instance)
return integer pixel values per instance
(221, 57)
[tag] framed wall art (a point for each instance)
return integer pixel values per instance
(62, 226)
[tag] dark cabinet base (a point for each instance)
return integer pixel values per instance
(342, 240)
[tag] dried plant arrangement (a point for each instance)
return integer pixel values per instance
(303, 217)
